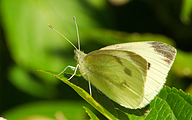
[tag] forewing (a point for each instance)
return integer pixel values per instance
(119, 74)
(159, 56)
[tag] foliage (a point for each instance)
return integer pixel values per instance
(27, 44)
(170, 104)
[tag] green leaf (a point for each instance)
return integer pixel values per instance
(44, 110)
(108, 37)
(33, 45)
(186, 11)
(91, 114)
(171, 104)
(182, 65)
(85, 96)
(168, 104)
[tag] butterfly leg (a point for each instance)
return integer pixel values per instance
(90, 92)
(73, 68)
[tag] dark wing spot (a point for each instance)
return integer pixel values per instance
(149, 65)
(127, 71)
(165, 50)
(118, 60)
(168, 61)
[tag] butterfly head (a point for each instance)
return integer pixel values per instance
(79, 56)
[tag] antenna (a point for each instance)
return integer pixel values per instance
(77, 32)
(62, 36)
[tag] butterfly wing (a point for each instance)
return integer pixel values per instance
(159, 56)
(119, 74)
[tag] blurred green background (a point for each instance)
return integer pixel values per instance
(28, 44)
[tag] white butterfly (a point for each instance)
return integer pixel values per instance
(130, 74)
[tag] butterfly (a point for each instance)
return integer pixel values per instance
(131, 74)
